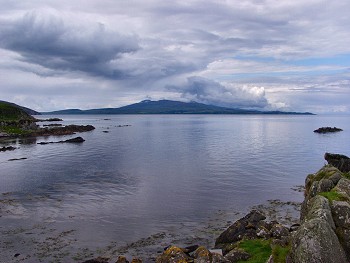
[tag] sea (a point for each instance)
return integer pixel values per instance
(141, 181)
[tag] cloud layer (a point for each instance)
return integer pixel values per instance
(263, 54)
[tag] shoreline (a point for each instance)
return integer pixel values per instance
(281, 216)
(148, 248)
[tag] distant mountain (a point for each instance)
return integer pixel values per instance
(170, 107)
(27, 110)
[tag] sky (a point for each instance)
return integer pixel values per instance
(254, 54)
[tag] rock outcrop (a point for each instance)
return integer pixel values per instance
(339, 161)
(324, 233)
(7, 148)
(73, 140)
(327, 130)
(65, 130)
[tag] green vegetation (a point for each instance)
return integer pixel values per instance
(13, 130)
(260, 250)
(9, 112)
(334, 196)
(347, 175)
(14, 120)
(323, 174)
(279, 253)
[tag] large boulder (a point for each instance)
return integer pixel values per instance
(340, 161)
(173, 255)
(316, 242)
(318, 208)
(341, 216)
(243, 228)
(343, 186)
(202, 255)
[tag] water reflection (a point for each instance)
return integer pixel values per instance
(161, 171)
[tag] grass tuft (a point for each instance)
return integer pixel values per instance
(279, 253)
(334, 196)
(260, 250)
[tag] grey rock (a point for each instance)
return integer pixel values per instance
(344, 239)
(318, 208)
(325, 185)
(335, 177)
(343, 186)
(243, 228)
(278, 231)
(316, 242)
(294, 227)
(263, 232)
(172, 255)
(217, 258)
(236, 255)
(202, 255)
(340, 161)
(341, 214)
(313, 189)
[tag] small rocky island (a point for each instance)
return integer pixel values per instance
(327, 130)
(17, 123)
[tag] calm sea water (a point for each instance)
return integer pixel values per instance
(125, 183)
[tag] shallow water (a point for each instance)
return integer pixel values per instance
(163, 173)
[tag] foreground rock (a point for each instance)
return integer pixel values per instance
(327, 130)
(324, 233)
(339, 161)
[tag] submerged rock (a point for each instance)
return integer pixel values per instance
(73, 140)
(97, 260)
(7, 148)
(65, 130)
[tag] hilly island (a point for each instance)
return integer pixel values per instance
(170, 107)
(17, 120)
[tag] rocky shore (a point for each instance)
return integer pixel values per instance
(322, 235)
(25, 129)
(16, 123)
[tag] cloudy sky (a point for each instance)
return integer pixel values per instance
(256, 54)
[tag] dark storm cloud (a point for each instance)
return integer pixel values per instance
(49, 41)
(128, 50)
(210, 92)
